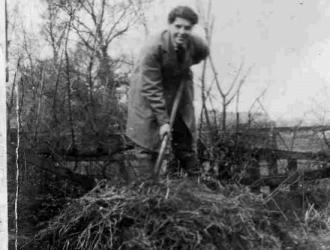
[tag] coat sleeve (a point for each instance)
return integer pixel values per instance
(152, 85)
(201, 50)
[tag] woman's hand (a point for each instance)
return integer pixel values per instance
(164, 129)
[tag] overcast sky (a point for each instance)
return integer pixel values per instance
(288, 41)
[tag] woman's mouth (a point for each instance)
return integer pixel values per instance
(180, 38)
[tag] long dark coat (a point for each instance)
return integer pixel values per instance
(153, 86)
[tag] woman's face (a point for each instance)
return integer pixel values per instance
(180, 30)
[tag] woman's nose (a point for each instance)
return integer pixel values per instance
(182, 31)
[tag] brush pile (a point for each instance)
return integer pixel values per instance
(178, 214)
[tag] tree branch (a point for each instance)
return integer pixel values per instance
(109, 37)
(232, 85)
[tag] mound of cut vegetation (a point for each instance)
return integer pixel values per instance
(178, 214)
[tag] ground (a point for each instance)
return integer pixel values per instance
(302, 215)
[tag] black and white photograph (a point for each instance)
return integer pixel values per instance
(165, 125)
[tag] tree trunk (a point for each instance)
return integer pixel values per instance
(237, 112)
(224, 114)
(3, 132)
(73, 138)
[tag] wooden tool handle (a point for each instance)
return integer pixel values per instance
(165, 139)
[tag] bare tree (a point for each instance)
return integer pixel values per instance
(68, 78)
(3, 142)
(207, 20)
(54, 29)
(232, 91)
(139, 8)
(234, 87)
(11, 96)
(6, 40)
(98, 24)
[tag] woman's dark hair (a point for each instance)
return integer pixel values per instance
(183, 12)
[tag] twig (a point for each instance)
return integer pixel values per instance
(278, 207)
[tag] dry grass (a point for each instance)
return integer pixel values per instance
(177, 214)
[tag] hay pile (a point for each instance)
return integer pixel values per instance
(170, 215)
